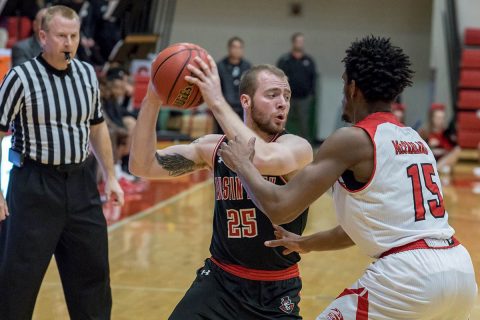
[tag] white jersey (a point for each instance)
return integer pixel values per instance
(403, 200)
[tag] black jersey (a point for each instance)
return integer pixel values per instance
(240, 228)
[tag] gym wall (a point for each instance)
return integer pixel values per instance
(329, 27)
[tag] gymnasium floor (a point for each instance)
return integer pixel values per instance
(154, 254)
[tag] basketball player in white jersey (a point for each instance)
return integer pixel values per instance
(387, 195)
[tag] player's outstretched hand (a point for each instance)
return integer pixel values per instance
(291, 241)
(205, 77)
(237, 152)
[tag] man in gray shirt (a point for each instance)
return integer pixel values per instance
(28, 48)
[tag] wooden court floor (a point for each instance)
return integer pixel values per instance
(154, 255)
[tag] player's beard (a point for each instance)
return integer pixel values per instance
(264, 124)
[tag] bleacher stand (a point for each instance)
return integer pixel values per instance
(468, 103)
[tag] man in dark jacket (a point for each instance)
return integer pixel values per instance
(230, 69)
(302, 74)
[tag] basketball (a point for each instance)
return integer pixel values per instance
(168, 75)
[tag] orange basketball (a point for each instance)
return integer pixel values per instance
(168, 75)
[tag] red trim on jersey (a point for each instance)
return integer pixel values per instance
(258, 275)
(370, 125)
(362, 303)
(275, 137)
(419, 244)
(215, 151)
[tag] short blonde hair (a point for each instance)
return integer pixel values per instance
(249, 80)
(63, 11)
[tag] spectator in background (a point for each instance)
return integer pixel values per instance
(441, 143)
(231, 68)
(108, 31)
(28, 48)
(89, 13)
(398, 110)
(121, 122)
(302, 75)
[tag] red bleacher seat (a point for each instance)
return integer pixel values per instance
(472, 37)
(468, 138)
(18, 28)
(469, 99)
(470, 58)
(141, 80)
(469, 79)
(468, 120)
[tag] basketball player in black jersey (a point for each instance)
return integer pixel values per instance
(242, 279)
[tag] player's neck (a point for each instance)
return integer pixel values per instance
(363, 111)
(262, 134)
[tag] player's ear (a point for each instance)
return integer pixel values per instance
(352, 89)
(42, 36)
(246, 101)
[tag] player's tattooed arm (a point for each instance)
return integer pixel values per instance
(176, 164)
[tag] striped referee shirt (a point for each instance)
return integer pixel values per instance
(50, 111)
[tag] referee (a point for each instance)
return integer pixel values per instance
(51, 103)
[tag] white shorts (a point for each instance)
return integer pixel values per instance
(418, 284)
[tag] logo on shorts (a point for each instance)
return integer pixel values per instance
(286, 305)
(334, 314)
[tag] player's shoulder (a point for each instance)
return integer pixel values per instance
(207, 144)
(348, 140)
(297, 142)
(208, 139)
(350, 135)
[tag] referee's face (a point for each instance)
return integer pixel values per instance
(62, 35)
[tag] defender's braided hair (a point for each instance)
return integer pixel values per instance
(380, 69)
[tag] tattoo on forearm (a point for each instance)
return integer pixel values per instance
(175, 164)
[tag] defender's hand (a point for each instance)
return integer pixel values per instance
(237, 152)
(291, 241)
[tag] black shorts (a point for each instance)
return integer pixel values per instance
(216, 294)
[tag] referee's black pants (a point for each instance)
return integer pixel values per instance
(57, 213)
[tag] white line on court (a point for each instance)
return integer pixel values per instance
(161, 204)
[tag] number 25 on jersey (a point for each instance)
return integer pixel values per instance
(242, 223)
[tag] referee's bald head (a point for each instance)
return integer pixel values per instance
(60, 10)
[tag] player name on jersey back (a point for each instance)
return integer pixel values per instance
(409, 147)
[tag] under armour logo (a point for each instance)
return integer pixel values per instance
(286, 305)
(220, 160)
(205, 272)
